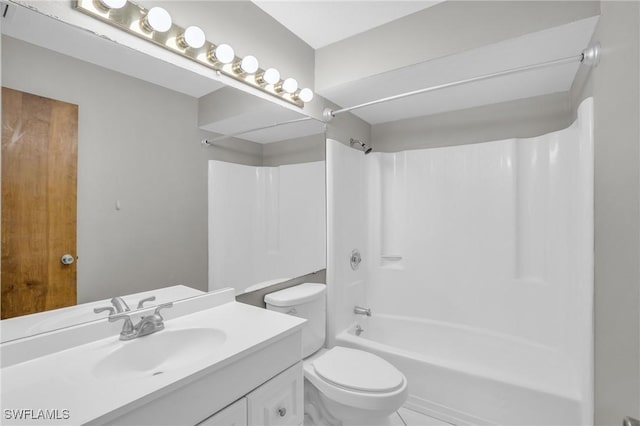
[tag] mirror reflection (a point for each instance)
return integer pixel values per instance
(121, 207)
(268, 226)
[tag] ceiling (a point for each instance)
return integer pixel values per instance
(320, 23)
(327, 22)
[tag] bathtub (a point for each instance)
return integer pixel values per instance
(469, 376)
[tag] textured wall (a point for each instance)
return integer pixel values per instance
(614, 85)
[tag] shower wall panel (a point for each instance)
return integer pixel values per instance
(495, 235)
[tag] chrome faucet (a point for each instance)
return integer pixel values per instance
(148, 324)
(120, 305)
(362, 311)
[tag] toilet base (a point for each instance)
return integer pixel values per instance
(323, 411)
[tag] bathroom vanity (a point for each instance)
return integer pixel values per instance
(216, 362)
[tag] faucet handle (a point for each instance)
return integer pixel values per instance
(162, 306)
(143, 301)
(103, 309)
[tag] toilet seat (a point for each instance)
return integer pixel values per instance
(389, 393)
(357, 370)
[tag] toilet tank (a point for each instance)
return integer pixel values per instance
(304, 301)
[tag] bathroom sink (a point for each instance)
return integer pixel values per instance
(164, 351)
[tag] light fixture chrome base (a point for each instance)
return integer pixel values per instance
(591, 55)
(132, 19)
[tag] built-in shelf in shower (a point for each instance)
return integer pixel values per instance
(391, 257)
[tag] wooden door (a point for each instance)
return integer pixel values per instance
(39, 175)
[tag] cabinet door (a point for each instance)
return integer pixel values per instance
(233, 415)
(278, 402)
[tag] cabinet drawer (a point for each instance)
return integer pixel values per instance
(278, 402)
(234, 415)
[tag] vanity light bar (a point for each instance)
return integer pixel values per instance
(155, 25)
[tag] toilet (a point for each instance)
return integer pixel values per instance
(343, 386)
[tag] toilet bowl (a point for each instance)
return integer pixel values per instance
(355, 386)
(342, 385)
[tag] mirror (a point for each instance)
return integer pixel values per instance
(142, 174)
(266, 223)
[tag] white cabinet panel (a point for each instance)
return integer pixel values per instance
(278, 402)
(234, 415)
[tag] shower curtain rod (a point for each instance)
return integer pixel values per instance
(589, 56)
(210, 142)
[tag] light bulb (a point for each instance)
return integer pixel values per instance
(269, 76)
(305, 95)
(290, 85)
(113, 4)
(223, 53)
(192, 37)
(157, 19)
(249, 64)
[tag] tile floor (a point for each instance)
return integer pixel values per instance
(404, 417)
(413, 418)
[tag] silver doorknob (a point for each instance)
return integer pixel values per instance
(282, 412)
(66, 259)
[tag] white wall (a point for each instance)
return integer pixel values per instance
(615, 87)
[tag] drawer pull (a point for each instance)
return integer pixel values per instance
(282, 411)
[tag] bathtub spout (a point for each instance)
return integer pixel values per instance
(362, 311)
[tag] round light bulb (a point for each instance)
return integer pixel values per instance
(271, 76)
(305, 95)
(249, 64)
(290, 85)
(193, 37)
(158, 19)
(224, 53)
(113, 4)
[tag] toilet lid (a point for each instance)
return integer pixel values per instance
(359, 370)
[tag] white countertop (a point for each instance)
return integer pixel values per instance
(42, 322)
(65, 380)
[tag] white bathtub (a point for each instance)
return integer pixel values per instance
(469, 376)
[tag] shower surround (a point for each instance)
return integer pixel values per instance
(478, 268)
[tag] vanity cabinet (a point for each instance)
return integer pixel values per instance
(234, 415)
(278, 402)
